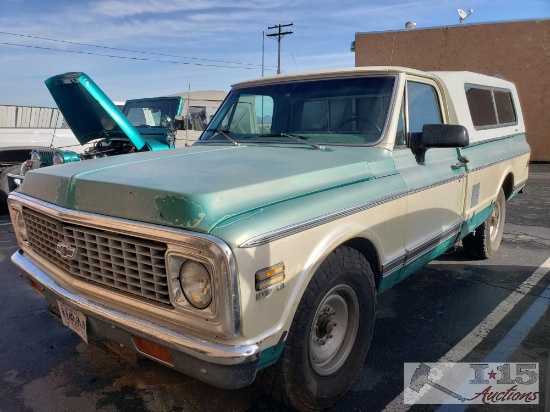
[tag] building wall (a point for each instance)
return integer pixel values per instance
(519, 51)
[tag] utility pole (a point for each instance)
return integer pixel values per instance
(279, 34)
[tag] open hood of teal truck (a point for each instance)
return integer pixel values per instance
(88, 111)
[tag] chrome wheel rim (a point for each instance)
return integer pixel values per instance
(494, 222)
(333, 330)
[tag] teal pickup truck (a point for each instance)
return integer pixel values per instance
(258, 253)
(101, 127)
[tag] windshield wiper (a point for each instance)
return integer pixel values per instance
(222, 132)
(300, 139)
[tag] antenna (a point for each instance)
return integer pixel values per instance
(410, 25)
(463, 15)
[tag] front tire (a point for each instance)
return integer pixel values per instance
(329, 337)
(485, 240)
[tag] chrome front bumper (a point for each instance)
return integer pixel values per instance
(219, 365)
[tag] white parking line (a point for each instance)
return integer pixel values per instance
(5, 224)
(475, 337)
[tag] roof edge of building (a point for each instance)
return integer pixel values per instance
(455, 25)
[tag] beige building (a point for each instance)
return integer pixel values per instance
(518, 50)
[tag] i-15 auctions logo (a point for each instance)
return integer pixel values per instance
(471, 383)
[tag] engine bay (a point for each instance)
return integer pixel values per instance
(108, 147)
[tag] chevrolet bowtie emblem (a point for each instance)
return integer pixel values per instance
(65, 251)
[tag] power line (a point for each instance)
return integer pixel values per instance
(129, 57)
(279, 34)
(292, 55)
(126, 50)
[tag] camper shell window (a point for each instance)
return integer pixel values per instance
(490, 107)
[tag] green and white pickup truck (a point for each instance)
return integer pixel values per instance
(259, 252)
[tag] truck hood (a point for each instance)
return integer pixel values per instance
(88, 111)
(199, 187)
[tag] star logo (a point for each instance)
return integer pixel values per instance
(492, 374)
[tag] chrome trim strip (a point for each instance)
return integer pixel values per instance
(318, 221)
(388, 273)
(392, 265)
(329, 217)
(200, 349)
(421, 245)
(431, 243)
(439, 183)
(227, 319)
(520, 185)
(494, 139)
(419, 250)
(499, 161)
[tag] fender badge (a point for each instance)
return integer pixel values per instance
(65, 251)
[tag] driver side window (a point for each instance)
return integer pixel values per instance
(423, 106)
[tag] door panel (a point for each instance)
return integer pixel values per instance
(436, 196)
(436, 188)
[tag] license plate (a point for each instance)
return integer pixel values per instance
(74, 320)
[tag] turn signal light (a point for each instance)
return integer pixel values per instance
(154, 350)
(36, 287)
(270, 276)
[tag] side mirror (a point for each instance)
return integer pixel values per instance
(437, 135)
(444, 135)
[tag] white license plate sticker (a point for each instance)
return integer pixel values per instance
(74, 320)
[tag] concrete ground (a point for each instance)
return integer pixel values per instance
(447, 310)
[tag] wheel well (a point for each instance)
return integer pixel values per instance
(367, 249)
(508, 185)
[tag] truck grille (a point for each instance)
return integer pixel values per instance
(120, 262)
(46, 157)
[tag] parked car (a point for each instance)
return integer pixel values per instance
(259, 252)
(22, 129)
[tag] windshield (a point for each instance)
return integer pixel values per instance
(336, 111)
(148, 112)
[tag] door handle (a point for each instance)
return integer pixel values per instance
(458, 165)
(462, 160)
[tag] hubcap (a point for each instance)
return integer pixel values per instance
(494, 222)
(333, 330)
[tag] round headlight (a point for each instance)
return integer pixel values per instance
(165, 121)
(196, 284)
(35, 156)
(58, 158)
(19, 225)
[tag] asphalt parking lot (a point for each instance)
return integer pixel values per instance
(454, 309)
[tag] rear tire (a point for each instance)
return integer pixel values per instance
(329, 336)
(485, 240)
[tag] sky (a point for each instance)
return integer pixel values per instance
(146, 48)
